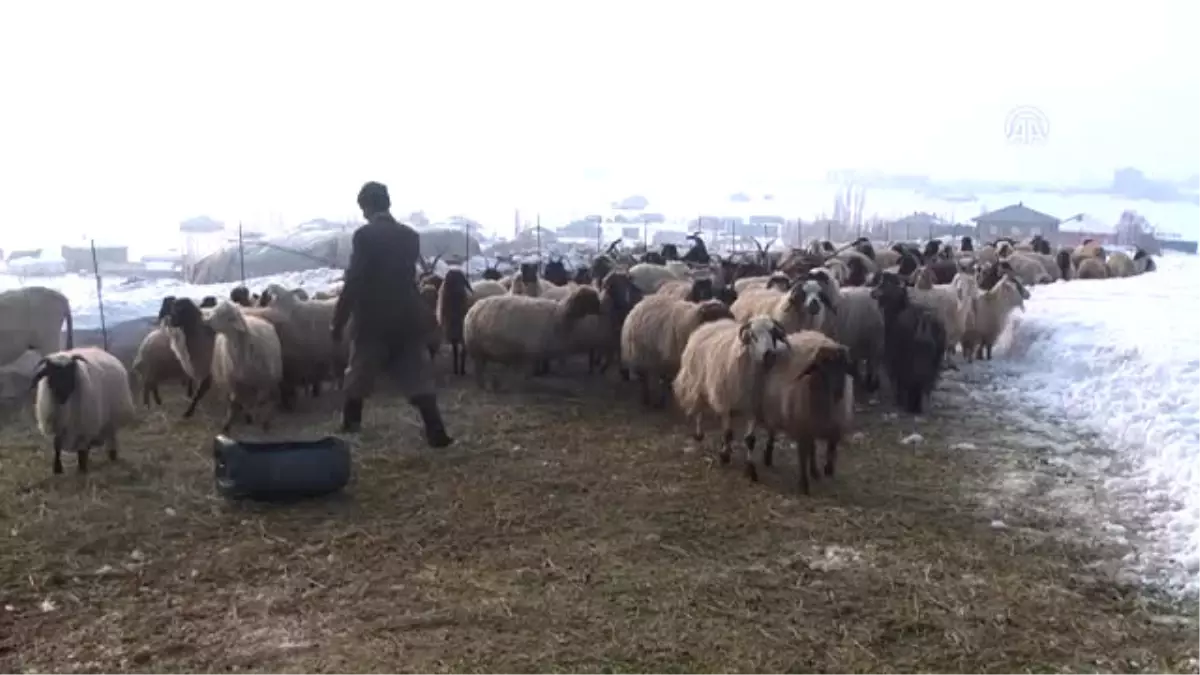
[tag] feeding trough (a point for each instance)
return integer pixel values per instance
(280, 470)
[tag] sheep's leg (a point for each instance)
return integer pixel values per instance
(644, 378)
(235, 409)
(205, 385)
(110, 440)
(749, 438)
(698, 427)
(831, 457)
(316, 388)
(804, 452)
(146, 395)
(989, 352)
(726, 440)
(915, 400)
(287, 394)
(812, 463)
(191, 387)
(156, 395)
(82, 458)
(58, 443)
(769, 449)
(479, 379)
(624, 372)
(664, 391)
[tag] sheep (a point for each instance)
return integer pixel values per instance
(32, 318)
(454, 298)
(1062, 260)
(992, 309)
(515, 328)
(1088, 249)
(777, 281)
(156, 363)
(429, 296)
(83, 399)
(600, 336)
(486, 288)
(247, 362)
(1142, 262)
(966, 288)
(648, 276)
(527, 283)
(1119, 265)
(809, 304)
(1091, 268)
(241, 295)
(192, 345)
(721, 372)
(310, 354)
(859, 326)
(16, 375)
(1028, 268)
(945, 302)
(655, 334)
(914, 343)
(697, 290)
(808, 394)
(210, 301)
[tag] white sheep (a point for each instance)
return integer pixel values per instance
(721, 373)
(966, 289)
(649, 276)
(808, 395)
(32, 318)
(486, 288)
(992, 309)
(83, 399)
(1120, 265)
(859, 326)
(155, 363)
(247, 362)
(312, 355)
(778, 280)
(945, 302)
(513, 329)
(655, 334)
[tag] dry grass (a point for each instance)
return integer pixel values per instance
(566, 530)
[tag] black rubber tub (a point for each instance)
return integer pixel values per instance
(280, 470)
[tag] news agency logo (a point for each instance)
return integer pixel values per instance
(1026, 125)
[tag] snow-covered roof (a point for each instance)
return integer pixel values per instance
(1086, 223)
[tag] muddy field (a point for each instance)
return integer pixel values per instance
(565, 530)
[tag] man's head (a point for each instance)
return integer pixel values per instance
(373, 198)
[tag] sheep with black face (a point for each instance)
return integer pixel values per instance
(83, 399)
(914, 343)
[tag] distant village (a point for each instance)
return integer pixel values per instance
(209, 253)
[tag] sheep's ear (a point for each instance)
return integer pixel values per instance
(745, 335)
(39, 372)
(778, 332)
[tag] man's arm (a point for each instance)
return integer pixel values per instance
(352, 281)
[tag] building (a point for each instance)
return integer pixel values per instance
(79, 258)
(1017, 222)
(1075, 230)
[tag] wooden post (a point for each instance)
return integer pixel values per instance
(99, 296)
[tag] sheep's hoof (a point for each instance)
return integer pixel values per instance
(751, 472)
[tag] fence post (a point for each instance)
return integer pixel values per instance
(242, 252)
(538, 233)
(467, 247)
(99, 296)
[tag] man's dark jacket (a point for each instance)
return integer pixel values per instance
(380, 289)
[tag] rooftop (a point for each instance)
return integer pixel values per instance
(1017, 214)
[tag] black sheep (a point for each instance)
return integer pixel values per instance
(914, 343)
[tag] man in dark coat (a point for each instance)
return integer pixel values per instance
(390, 323)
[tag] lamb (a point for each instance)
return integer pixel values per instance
(83, 399)
(247, 362)
(454, 298)
(156, 363)
(655, 334)
(648, 276)
(807, 395)
(516, 329)
(992, 309)
(1091, 268)
(1119, 265)
(697, 290)
(721, 372)
(32, 318)
(914, 343)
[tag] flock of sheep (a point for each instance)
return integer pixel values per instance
(780, 343)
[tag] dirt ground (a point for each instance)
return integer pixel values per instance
(566, 530)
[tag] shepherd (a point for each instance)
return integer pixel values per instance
(381, 295)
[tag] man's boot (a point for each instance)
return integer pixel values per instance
(435, 430)
(352, 415)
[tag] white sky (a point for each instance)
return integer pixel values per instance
(139, 114)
